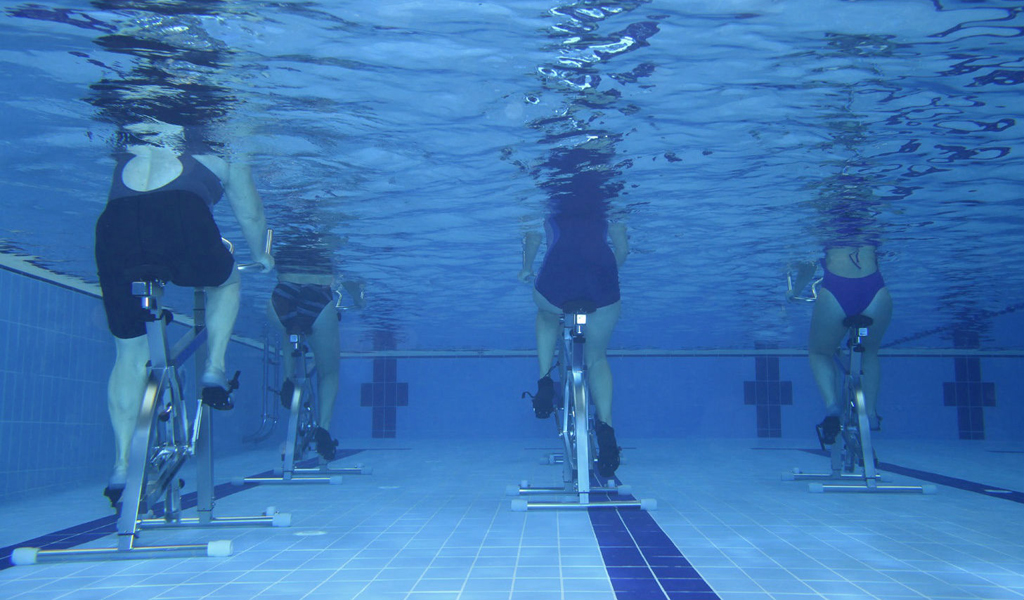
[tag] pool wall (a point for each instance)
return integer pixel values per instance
(55, 356)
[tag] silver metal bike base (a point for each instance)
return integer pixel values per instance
(867, 486)
(525, 489)
(273, 519)
(838, 481)
(323, 473)
(31, 556)
(569, 498)
(571, 503)
(294, 478)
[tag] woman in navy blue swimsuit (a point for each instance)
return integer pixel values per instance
(579, 266)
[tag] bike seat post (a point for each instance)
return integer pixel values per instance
(578, 324)
(298, 357)
(150, 292)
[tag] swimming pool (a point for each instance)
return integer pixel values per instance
(419, 138)
(419, 142)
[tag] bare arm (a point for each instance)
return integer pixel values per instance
(620, 242)
(245, 201)
(357, 290)
(531, 244)
(804, 275)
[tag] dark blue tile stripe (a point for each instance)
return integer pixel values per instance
(83, 533)
(641, 560)
(954, 482)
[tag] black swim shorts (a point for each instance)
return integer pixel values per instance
(174, 231)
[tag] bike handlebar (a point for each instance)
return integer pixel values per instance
(255, 266)
(795, 298)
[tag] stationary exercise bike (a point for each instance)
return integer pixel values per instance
(853, 464)
(165, 437)
(303, 406)
(575, 422)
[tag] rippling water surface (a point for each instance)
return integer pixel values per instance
(418, 141)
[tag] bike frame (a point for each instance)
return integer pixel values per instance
(576, 424)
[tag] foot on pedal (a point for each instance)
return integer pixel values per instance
(543, 402)
(217, 389)
(115, 486)
(113, 493)
(287, 391)
(217, 398)
(607, 450)
(828, 430)
(325, 446)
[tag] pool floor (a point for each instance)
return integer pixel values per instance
(433, 521)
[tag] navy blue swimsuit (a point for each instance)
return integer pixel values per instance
(579, 264)
(170, 231)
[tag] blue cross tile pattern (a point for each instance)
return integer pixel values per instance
(768, 394)
(970, 395)
(384, 395)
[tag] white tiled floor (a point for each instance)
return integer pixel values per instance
(433, 523)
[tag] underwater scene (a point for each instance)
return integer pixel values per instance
(621, 300)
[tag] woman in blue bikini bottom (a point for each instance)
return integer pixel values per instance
(852, 285)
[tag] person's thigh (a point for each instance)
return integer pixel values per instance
(325, 340)
(880, 311)
(600, 325)
(826, 324)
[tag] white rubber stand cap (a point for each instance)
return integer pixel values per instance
(365, 470)
(625, 490)
(789, 476)
(816, 488)
(648, 504)
(24, 556)
(511, 490)
(219, 548)
(239, 481)
(929, 489)
(271, 511)
(335, 480)
(519, 505)
(281, 520)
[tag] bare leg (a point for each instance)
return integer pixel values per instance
(288, 362)
(600, 325)
(325, 341)
(548, 320)
(880, 311)
(826, 333)
(124, 396)
(221, 310)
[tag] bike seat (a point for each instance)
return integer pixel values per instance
(149, 273)
(578, 307)
(858, 321)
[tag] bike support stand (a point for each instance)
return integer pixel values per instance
(290, 472)
(577, 487)
(129, 522)
(853, 447)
